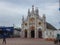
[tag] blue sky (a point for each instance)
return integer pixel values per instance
(11, 11)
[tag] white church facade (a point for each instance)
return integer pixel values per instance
(35, 26)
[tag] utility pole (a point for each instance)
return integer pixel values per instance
(59, 5)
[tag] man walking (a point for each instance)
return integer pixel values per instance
(4, 38)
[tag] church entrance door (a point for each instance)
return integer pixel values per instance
(40, 34)
(25, 33)
(32, 33)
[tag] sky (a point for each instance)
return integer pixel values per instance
(11, 11)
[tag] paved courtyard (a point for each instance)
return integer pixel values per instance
(20, 41)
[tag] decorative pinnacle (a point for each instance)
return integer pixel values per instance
(32, 8)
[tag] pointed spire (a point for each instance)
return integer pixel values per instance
(22, 19)
(32, 8)
(28, 11)
(44, 16)
(36, 11)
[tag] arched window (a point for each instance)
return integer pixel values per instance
(25, 24)
(39, 23)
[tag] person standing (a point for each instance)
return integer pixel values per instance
(4, 38)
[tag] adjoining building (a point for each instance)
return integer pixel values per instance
(35, 26)
(17, 32)
(8, 31)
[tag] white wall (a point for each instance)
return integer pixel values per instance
(53, 33)
(17, 33)
(56, 32)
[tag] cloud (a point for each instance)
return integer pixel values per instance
(10, 14)
(11, 11)
(51, 10)
(11, 8)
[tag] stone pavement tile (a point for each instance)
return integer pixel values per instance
(20, 41)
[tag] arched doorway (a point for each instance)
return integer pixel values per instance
(25, 33)
(39, 33)
(32, 33)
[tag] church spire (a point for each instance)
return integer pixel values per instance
(32, 8)
(22, 19)
(44, 18)
(37, 11)
(28, 12)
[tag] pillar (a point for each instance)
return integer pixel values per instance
(23, 34)
(36, 34)
(28, 34)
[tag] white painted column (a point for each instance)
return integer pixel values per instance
(36, 32)
(28, 34)
(43, 34)
(23, 34)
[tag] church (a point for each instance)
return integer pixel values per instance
(35, 26)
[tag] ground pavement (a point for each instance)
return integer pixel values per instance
(21, 41)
